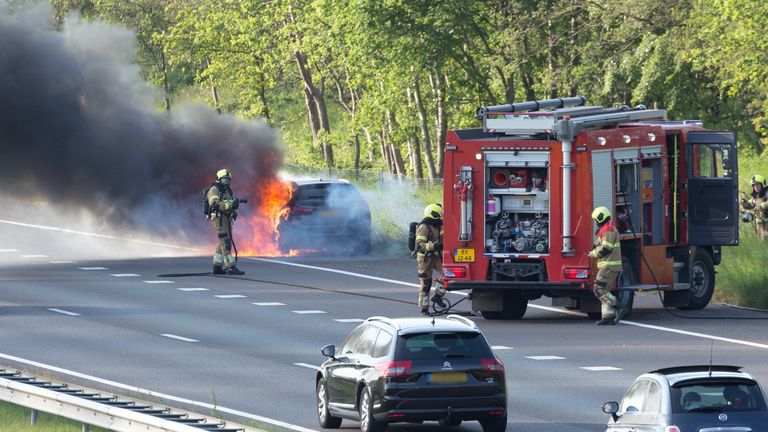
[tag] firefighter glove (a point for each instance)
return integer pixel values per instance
(429, 247)
(235, 204)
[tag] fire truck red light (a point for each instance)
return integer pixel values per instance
(454, 272)
(576, 273)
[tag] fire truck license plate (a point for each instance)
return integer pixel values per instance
(464, 255)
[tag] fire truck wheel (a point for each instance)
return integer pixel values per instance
(626, 298)
(702, 278)
(515, 306)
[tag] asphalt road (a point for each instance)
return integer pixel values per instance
(248, 344)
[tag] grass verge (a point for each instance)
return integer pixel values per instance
(18, 419)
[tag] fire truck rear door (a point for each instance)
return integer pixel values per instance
(712, 188)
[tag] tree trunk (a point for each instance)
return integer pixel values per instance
(424, 126)
(166, 87)
(314, 123)
(214, 91)
(397, 157)
(385, 151)
(413, 144)
(371, 146)
(263, 99)
(442, 120)
(357, 151)
(315, 98)
(551, 60)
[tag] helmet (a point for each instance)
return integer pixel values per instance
(757, 178)
(434, 211)
(223, 173)
(601, 214)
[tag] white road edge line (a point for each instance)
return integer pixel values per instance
(181, 338)
(547, 308)
(62, 311)
(308, 366)
(159, 395)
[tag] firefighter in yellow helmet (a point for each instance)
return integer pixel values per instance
(607, 252)
(223, 207)
(756, 207)
(429, 255)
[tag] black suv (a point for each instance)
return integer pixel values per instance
(329, 215)
(412, 370)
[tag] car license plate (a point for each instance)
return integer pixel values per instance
(447, 378)
(464, 255)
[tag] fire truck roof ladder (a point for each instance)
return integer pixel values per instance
(568, 117)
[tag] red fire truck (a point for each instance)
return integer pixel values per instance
(519, 193)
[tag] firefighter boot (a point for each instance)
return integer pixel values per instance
(621, 312)
(217, 270)
(607, 321)
(438, 300)
(235, 271)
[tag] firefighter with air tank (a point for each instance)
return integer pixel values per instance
(607, 253)
(755, 209)
(429, 259)
(222, 211)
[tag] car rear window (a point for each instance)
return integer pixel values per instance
(422, 346)
(336, 195)
(717, 396)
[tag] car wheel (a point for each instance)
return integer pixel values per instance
(626, 298)
(324, 416)
(702, 279)
(367, 422)
(494, 424)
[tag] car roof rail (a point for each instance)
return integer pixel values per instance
(462, 319)
(387, 320)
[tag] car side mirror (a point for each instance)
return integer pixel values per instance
(329, 351)
(611, 408)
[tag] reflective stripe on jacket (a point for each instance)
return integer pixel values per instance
(428, 233)
(607, 248)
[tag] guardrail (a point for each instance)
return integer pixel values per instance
(93, 409)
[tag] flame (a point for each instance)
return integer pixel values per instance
(261, 236)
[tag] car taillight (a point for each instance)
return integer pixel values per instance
(395, 368)
(455, 272)
(672, 429)
(299, 211)
(576, 273)
(492, 365)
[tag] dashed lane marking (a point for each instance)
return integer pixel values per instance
(122, 275)
(34, 256)
(349, 320)
(269, 304)
(307, 312)
(308, 366)
(230, 296)
(530, 305)
(193, 289)
(134, 389)
(92, 268)
(159, 282)
(9, 250)
(181, 338)
(501, 347)
(545, 357)
(62, 262)
(62, 311)
(600, 368)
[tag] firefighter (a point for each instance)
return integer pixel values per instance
(758, 204)
(223, 207)
(607, 252)
(429, 249)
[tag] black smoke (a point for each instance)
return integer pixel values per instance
(81, 130)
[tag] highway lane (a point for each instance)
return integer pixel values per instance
(244, 355)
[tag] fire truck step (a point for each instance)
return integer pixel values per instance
(645, 287)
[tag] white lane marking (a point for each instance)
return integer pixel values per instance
(193, 289)
(121, 275)
(92, 268)
(308, 366)
(9, 250)
(230, 296)
(158, 282)
(269, 304)
(304, 312)
(62, 262)
(530, 305)
(600, 368)
(62, 311)
(349, 320)
(545, 357)
(181, 338)
(131, 388)
(501, 347)
(34, 256)
(69, 231)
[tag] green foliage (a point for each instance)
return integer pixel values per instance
(16, 418)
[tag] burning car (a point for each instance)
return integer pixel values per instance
(326, 215)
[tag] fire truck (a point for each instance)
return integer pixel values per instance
(519, 193)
